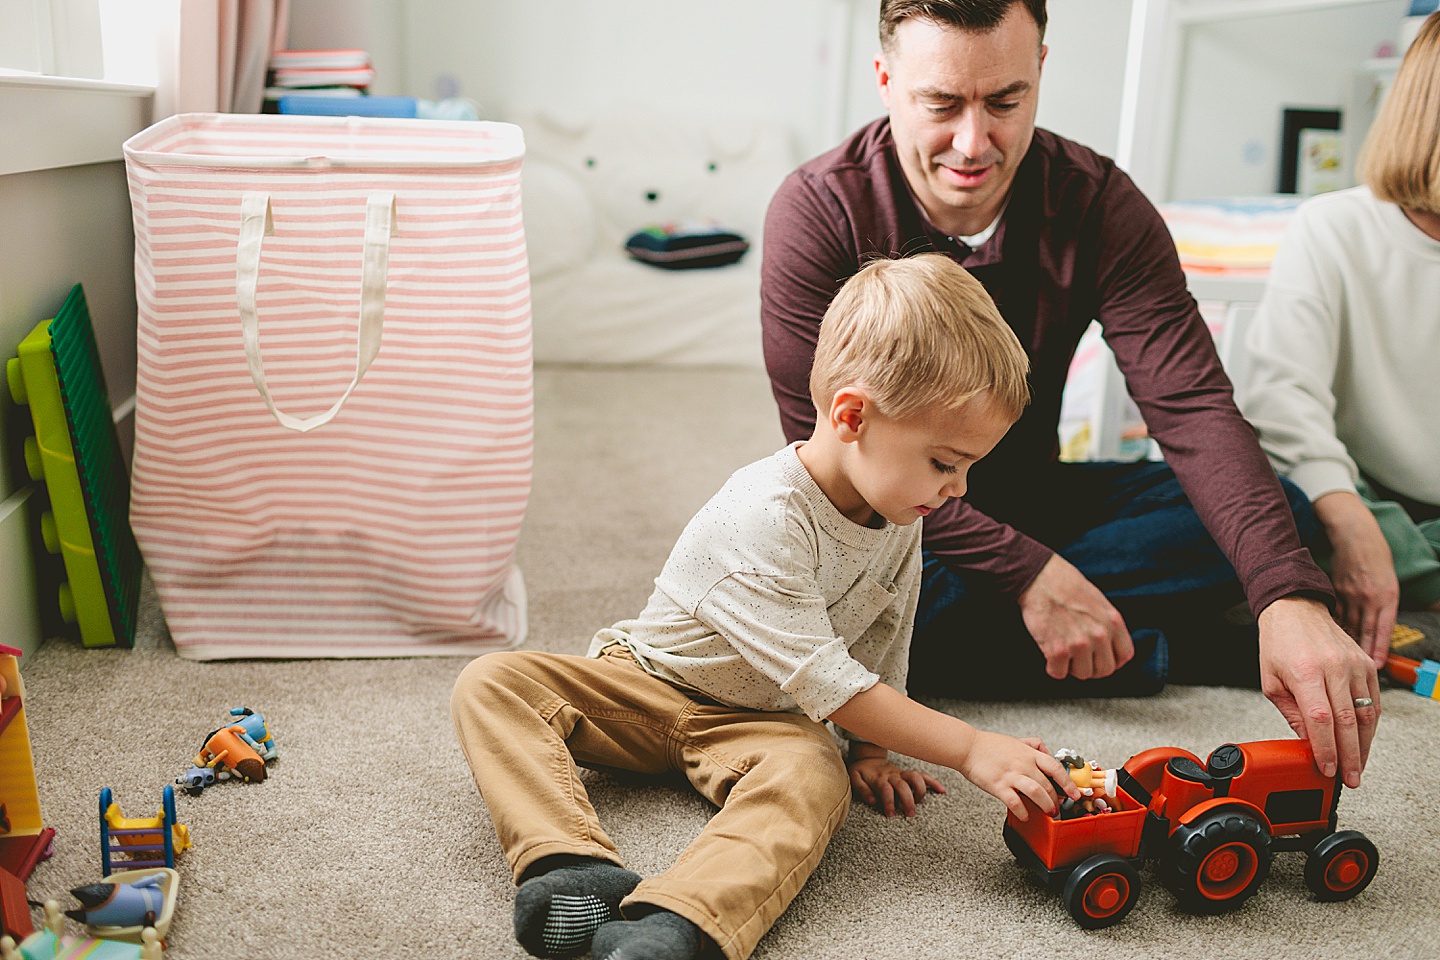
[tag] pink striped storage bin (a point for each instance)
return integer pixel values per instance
(334, 404)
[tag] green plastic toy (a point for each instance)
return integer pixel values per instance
(76, 452)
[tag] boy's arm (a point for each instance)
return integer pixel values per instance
(1002, 766)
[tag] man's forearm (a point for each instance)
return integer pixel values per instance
(968, 540)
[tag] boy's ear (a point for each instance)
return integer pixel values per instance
(849, 411)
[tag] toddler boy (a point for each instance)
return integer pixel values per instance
(787, 601)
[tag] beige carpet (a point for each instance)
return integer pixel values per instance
(369, 838)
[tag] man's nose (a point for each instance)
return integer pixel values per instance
(971, 138)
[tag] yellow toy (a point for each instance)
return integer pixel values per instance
(134, 837)
(24, 838)
(1402, 636)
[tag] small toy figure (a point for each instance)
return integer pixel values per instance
(120, 904)
(237, 749)
(195, 780)
(256, 732)
(1095, 784)
(227, 748)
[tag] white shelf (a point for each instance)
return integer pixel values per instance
(50, 122)
(19, 612)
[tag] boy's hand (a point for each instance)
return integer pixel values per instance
(1017, 770)
(880, 783)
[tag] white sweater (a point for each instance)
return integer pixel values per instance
(773, 600)
(1346, 348)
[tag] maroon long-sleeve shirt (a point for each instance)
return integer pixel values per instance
(1078, 241)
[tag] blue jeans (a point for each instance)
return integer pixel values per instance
(1131, 530)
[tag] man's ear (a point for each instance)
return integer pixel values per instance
(850, 410)
(882, 78)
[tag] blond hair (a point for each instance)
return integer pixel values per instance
(1400, 161)
(918, 333)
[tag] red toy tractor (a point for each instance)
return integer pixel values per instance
(1212, 827)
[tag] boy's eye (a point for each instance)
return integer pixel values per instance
(944, 467)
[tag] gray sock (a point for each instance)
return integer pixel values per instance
(661, 935)
(558, 910)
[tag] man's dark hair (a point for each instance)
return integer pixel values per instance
(981, 15)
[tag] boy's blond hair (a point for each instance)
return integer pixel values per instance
(1400, 161)
(918, 333)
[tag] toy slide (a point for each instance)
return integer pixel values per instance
(133, 838)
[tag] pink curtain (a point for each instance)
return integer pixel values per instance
(214, 55)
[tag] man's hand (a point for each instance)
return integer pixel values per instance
(1314, 672)
(1081, 634)
(881, 784)
(1363, 571)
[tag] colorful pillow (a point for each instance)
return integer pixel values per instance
(686, 246)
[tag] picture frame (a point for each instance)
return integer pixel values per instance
(1294, 120)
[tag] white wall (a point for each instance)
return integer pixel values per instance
(777, 61)
(806, 63)
(1239, 75)
(1085, 70)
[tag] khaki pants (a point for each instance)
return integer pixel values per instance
(525, 719)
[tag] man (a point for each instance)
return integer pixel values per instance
(1071, 555)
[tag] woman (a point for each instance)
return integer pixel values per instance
(1346, 344)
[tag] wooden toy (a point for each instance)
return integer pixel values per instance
(24, 838)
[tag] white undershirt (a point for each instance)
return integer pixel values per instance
(976, 239)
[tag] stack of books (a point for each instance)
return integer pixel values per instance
(318, 73)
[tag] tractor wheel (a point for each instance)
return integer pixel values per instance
(1341, 866)
(1102, 890)
(1016, 844)
(1217, 862)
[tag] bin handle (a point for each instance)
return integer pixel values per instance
(257, 223)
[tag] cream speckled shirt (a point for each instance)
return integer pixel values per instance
(773, 600)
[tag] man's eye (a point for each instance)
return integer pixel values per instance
(944, 467)
(1004, 106)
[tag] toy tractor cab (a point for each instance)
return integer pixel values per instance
(1213, 829)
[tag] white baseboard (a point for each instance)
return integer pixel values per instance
(19, 607)
(125, 409)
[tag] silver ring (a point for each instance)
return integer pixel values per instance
(1364, 702)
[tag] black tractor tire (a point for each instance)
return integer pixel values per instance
(1218, 861)
(1101, 891)
(1341, 865)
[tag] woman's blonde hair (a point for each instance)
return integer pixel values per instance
(1400, 161)
(918, 333)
